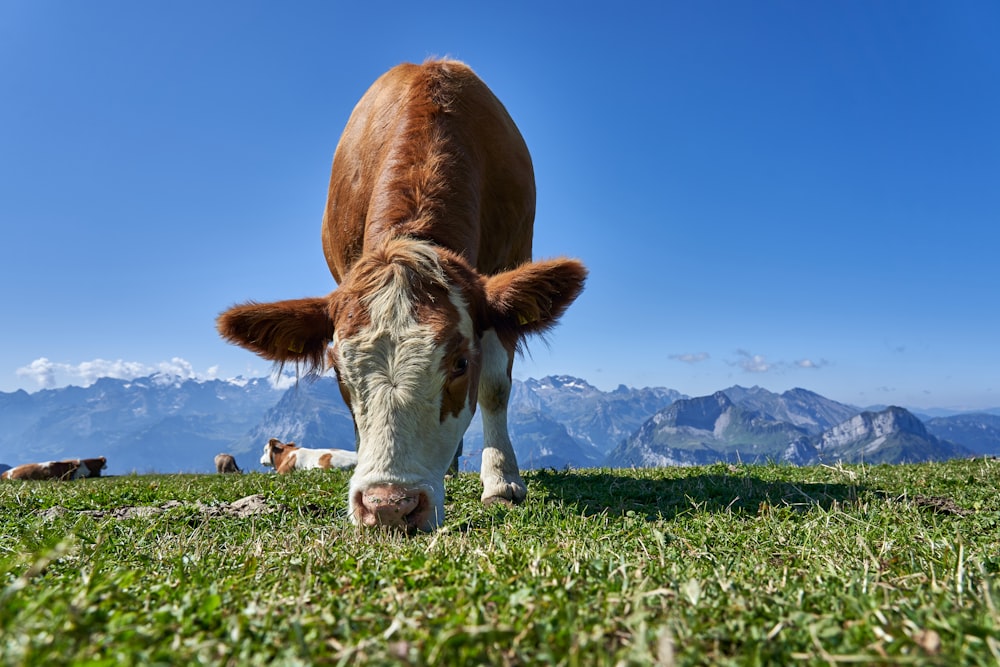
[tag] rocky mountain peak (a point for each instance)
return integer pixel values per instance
(874, 425)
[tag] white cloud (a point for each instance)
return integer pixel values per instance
(690, 357)
(49, 374)
(758, 363)
(753, 363)
(282, 381)
(42, 371)
(88, 372)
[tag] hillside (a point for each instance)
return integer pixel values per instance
(726, 564)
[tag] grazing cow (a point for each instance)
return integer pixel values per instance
(60, 470)
(226, 463)
(93, 467)
(288, 457)
(428, 231)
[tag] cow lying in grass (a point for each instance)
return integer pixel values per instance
(58, 470)
(285, 458)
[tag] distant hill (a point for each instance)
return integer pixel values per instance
(893, 435)
(799, 407)
(980, 432)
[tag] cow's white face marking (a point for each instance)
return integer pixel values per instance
(267, 458)
(395, 373)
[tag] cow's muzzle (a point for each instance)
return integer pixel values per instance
(395, 507)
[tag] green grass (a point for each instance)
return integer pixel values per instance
(715, 565)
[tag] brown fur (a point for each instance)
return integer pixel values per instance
(58, 470)
(285, 463)
(429, 154)
(283, 456)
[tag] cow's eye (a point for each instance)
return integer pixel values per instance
(460, 368)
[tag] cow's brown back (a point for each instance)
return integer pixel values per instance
(430, 152)
(60, 470)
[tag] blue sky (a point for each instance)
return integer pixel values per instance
(779, 194)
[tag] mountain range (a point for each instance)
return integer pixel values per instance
(156, 423)
(740, 425)
(164, 424)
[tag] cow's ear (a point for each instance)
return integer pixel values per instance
(297, 330)
(531, 298)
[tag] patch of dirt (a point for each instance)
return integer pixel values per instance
(255, 505)
(941, 505)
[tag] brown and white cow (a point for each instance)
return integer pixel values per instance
(58, 470)
(225, 463)
(428, 231)
(287, 457)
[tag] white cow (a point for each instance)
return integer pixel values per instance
(286, 457)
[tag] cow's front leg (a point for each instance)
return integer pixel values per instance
(499, 474)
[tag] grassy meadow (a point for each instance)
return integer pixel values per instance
(741, 565)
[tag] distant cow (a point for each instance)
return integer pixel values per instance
(226, 463)
(288, 457)
(93, 467)
(61, 470)
(428, 232)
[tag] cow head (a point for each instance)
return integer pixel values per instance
(93, 467)
(272, 448)
(402, 333)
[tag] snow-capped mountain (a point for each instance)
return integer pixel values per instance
(154, 423)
